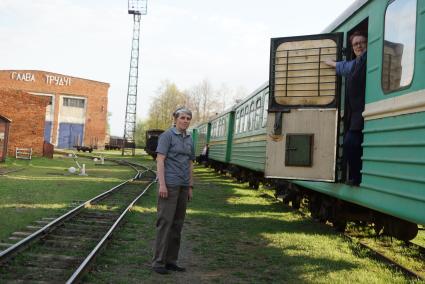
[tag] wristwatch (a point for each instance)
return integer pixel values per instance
(191, 186)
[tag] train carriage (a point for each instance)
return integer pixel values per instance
(201, 137)
(248, 154)
(306, 118)
(220, 144)
(152, 136)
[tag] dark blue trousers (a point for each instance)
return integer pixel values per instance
(353, 152)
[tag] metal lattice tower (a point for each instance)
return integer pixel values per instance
(136, 8)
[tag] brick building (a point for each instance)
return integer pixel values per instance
(77, 109)
(27, 120)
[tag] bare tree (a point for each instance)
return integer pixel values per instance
(202, 99)
(168, 98)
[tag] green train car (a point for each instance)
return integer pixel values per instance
(220, 142)
(306, 119)
(248, 153)
(298, 148)
(201, 137)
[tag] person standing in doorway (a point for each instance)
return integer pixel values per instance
(355, 73)
(175, 156)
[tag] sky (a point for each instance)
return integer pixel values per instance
(226, 42)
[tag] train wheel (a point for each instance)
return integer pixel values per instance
(314, 206)
(400, 229)
(340, 225)
(296, 202)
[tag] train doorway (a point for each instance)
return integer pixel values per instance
(354, 79)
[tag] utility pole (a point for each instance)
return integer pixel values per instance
(137, 8)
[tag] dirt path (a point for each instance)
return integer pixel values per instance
(187, 258)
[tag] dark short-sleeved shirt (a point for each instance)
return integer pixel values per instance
(355, 72)
(178, 151)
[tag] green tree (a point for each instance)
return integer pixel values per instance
(140, 136)
(168, 98)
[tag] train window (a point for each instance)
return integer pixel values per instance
(300, 77)
(217, 129)
(222, 127)
(252, 116)
(241, 124)
(213, 129)
(246, 118)
(398, 58)
(258, 113)
(265, 107)
(237, 122)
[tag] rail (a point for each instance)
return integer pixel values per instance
(67, 219)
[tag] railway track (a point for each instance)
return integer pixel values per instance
(375, 253)
(62, 250)
(388, 260)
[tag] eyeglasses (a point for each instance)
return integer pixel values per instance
(188, 118)
(359, 43)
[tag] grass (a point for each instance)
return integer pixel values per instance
(236, 235)
(43, 188)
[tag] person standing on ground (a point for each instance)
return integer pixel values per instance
(175, 156)
(355, 73)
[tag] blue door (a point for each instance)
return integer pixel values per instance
(70, 135)
(47, 131)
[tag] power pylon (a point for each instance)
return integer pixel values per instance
(137, 8)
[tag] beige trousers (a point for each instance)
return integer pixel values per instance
(171, 214)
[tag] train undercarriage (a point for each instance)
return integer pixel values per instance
(339, 213)
(322, 207)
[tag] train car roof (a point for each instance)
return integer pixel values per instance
(244, 100)
(351, 10)
(226, 111)
(200, 124)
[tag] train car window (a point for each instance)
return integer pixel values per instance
(212, 130)
(242, 124)
(258, 113)
(301, 77)
(398, 58)
(237, 122)
(246, 118)
(226, 119)
(220, 127)
(265, 107)
(251, 116)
